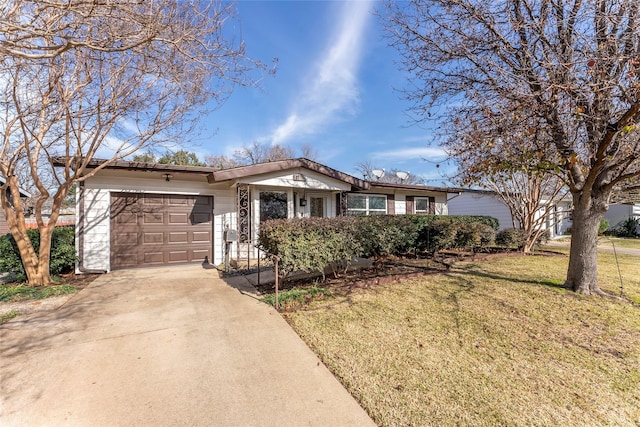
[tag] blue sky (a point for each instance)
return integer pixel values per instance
(335, 89)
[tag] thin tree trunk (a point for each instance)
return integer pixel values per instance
(582, 274)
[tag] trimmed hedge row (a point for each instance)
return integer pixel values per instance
(312, 244)
(63, 253)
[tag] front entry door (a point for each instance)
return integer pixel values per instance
(318, 207)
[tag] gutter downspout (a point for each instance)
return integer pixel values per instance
(80, 234)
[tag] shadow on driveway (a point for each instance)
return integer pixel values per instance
(167, 346)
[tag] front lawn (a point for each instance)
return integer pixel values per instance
(12, 292)
(619, 242)
(497, 342)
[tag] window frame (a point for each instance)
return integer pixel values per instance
(367, 210)
(421, 211)
(260, 204)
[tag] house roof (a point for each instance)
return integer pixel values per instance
(263, 168)
(129, 165)
(23, 193)
(215, 176)
(390, 185)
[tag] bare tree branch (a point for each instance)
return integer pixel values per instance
(82, 78)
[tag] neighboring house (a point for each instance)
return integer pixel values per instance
(485, 202)
(134, 214)
(4, 228)
(620, 212)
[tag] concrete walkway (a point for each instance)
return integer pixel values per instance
(603, 245)
(165, 347)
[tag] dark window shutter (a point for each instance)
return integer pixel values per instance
(391, 204)
(341, 204)
(410, 205)
(432, 205)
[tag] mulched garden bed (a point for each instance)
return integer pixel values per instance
(393, 269)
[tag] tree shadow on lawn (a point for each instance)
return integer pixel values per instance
(473, 271)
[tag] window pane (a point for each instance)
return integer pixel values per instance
(273, 205)
(378, 202)
(356, 201)
(422, 205)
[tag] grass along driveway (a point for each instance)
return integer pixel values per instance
(498, 342)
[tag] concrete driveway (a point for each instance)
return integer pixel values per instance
(165, 347)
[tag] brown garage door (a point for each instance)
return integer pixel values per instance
(160, 229)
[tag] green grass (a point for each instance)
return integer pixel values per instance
(620, 242)
(8, 316)
(498, 342)
(294, 297)
(21, 292)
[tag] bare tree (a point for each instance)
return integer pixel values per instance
(572, 66)
(307, 151)
(510, 162)
(260, 153)
(221, 162)
(79, 78)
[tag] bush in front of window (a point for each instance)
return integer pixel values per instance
(315, 244)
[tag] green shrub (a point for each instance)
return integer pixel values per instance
(312, 244)
(442, 235)
(309, 244)
(604, 226)
(627, 228)
(474, 235)
(63, 254)
(510, 238)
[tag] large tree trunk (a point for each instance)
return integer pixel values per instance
(36, 265)
(582, 274)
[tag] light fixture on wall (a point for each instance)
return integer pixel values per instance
(167, 176)
(303, 202)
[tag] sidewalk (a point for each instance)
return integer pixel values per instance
(603, 245)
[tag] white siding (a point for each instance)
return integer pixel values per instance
(401, 204)
(481, 204)
(621, 212)
(310, 180)
(442, 205)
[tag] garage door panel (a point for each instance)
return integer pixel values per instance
(126, 218)
(200, 218)
(154, 257)
(201, 236)
(125, 261)
(124, 239)
(200, 255)
(180, 256)
(150, 237)
(153, 230)
(152, 218)
(179, 219)
(203, 203)
(152, 200)
(179, 237)
(175, 200)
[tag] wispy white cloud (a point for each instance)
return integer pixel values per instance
(333, 90)
(411, 153)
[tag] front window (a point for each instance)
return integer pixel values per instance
(366, 204)
(273, 205)
(422, 205)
